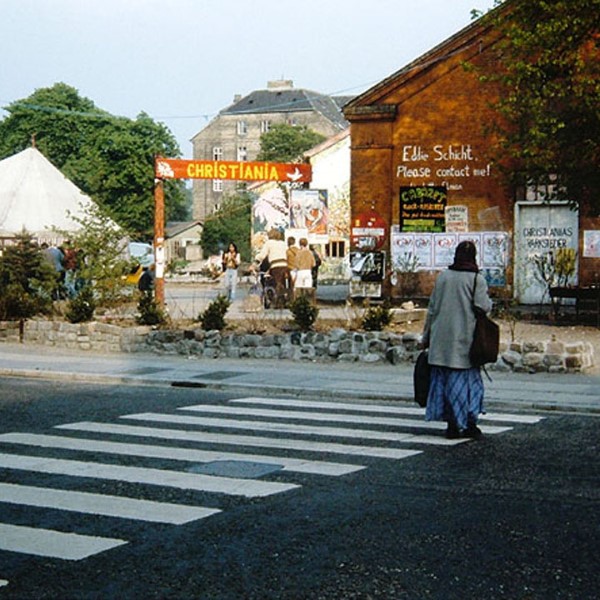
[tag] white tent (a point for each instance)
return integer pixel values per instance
(36, 196)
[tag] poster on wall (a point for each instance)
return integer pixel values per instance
(435, 251)
(368, 231)
(443, 249)
(591, 244)
(367, 272)
(411, 251)
(308, 210)
(494, 249)
(367, 266)
(422, 208)
(471, 237)
(457, 219)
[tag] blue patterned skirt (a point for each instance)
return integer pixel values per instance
(455, 395)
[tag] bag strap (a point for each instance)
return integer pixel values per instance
(477, 311)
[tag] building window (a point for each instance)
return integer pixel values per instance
(217, 153)
(217, 185)
(242, 127)
(336, 249)
(265, 126)
(242, 153)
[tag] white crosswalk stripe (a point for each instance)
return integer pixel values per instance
(320, 416)
(171, 453)
(392, 409)
(365, 434)
(54, 544)
(250, 440)
(100, 504)
(176, 479)
(287, 431)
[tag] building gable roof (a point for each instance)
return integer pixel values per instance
(470, 37)
(288, 100)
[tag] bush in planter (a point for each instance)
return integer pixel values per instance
(150, 311)
(214, 315)
(27, 280)
(304, 312)
(82, 307)
(377, 318)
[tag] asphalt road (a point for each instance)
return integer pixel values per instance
(512, 516)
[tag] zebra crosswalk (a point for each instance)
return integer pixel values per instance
(199, 444)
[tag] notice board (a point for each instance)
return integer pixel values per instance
(422, 208)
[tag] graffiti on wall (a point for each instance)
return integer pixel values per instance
(445, 164)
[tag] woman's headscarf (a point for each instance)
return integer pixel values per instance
(465, 257)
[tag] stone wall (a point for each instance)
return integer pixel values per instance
(93, 336)
(336, 345)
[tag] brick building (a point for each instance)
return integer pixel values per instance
(423, 179)
(234, 135)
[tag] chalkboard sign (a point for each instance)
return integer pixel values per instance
(422, 208)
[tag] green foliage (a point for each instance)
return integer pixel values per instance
(231, 223)
(101, 244)
(377, 318)
(214, 315)
(27, 280)
(150, 311)
(547, 69)
(110, 158)
(81, 308)
(287, 143)
(305, 313)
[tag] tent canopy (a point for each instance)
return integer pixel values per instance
(36, 196)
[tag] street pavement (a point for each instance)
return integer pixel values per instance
(355, 381)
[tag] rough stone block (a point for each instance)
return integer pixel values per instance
(347, 357)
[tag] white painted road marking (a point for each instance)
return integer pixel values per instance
(100, 504)
(377, 408)
(249, 440)
(3, 582)
(53, 544)
(183, 454)
(365, 434)
(327, 417)
(161, 477)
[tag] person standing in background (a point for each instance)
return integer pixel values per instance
(315, 269)
(292, 251)
(231, 262)
(275, 251)
(305, 261)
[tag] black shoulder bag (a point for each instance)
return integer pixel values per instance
(486, 338)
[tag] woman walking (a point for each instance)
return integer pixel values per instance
(456, 389)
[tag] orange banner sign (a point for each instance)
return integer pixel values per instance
(174, 168)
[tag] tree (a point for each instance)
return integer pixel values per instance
(286, 143)
(231, 223)
(109, 158)
(547, 70)
(27, 280)
(100, 245)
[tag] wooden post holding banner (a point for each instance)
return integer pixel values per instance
(159, 242)
(175, 168)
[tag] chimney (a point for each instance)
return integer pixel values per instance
(280, 84)
(237, 98)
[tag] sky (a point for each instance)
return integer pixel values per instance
(181, 61)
